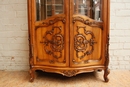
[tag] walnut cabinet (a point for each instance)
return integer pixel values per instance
(68, 37)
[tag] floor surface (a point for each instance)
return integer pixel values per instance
(118, 78)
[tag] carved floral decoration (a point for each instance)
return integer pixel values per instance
(54, 45)
(81, 43)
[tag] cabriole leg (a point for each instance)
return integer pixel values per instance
(31, 72)
(106, 72)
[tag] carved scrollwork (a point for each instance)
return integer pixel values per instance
(87, 22)
(70, 73)
(51, 22)
(56, 43)
(81, 42)
(78, 19)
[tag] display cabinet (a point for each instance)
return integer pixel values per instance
(68, 37)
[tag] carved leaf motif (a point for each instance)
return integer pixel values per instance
(107, 51)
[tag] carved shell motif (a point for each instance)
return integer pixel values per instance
(70, 73)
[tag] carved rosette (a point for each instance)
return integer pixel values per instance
(54, 45)
(81, 43)
(70, 73)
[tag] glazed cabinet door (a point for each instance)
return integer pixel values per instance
(50, 32)
(87, 32)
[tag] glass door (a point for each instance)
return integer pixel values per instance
(51, 32)
(86, 32)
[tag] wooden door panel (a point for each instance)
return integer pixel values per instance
(50, 42)
(86, 41)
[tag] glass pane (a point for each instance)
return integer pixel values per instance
(58, 6)
(90, 8)
(48, 8)
(49, 11)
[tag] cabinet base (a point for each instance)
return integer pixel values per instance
(69, 72)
